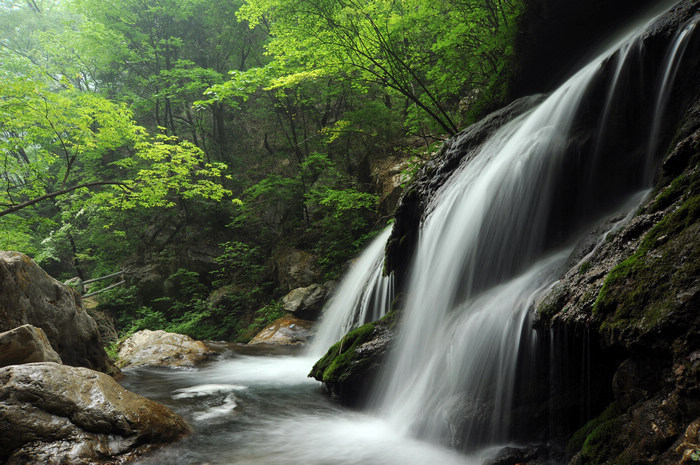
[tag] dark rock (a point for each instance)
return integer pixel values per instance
(30, 296)
(531, 455)
(285, 331)
(26, 344)
(350, 366)
(636, 296)
(160, 348)
(53, 413)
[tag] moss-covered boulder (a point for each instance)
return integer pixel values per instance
(350, 366)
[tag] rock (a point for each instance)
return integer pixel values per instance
(350, 366)
(295, 268)
(284, 331)
(52, 413)
(26, 344)
(687, 448)
(30, 296)
(148, 347)
(389, 173)
(306, 302)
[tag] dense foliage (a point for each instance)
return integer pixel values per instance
(141, 134)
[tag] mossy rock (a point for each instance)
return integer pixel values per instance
(342, 360)
(579, 437)
(659, 282)
(350, 366)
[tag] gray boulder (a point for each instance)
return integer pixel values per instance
(52, 413)
(26, 344)
(306, 302)
(30, 296)
(148, 347)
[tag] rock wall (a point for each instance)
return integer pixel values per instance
(30, 296)
(636, 297)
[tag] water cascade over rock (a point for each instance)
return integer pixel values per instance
(364, 295)
(499, 231)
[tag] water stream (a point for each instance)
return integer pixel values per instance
(498, 233)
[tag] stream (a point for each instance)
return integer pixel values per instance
(262, 409)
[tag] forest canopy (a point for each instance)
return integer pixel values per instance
(135, 130)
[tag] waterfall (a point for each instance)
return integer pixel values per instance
(499, 232)
(364, 295)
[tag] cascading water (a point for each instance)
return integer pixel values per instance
(489, 246)
(364, 295)
(495, 237)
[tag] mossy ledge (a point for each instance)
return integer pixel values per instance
(640, 295)
(350, 365)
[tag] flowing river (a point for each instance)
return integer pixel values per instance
(262, 409)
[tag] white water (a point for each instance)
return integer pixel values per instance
(364, 295)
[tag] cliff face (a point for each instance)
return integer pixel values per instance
(636, 297)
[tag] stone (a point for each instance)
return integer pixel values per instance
(30, 296)
(160, 348)
(26, 344)
(306, 302)
(295, 268)
(51, 413)
(284, 331)
(350, 366)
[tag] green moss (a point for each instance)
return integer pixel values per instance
(551, 305)
(579, 437)
(585, 266)
(640, 291)
(340, 361)
(603, 443)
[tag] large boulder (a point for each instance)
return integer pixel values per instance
(26, 344)
(306, 302)
(148, 347)
(30, 296)
(284, 331)
(52, 413)
(295, 268)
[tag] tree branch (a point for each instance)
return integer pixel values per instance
(51, 195)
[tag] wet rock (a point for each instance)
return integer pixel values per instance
(687, 449)
(148, 347)
(52, 413)
(350, 366)
(306, 302)
(635, 295)
(295, 268)
(531, 455)
(30, 296)
(26, 344)
(284, 331)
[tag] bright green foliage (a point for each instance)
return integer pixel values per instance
(430, 53)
